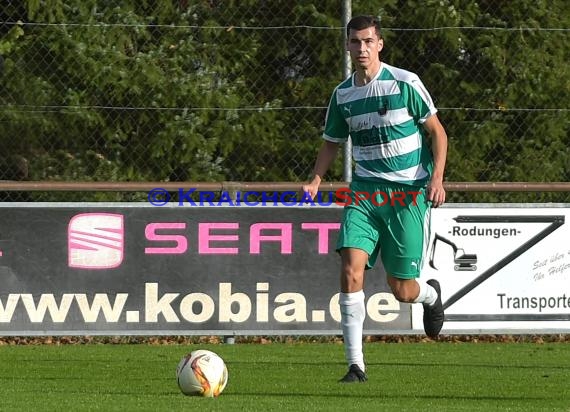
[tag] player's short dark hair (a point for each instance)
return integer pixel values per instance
(364, 22)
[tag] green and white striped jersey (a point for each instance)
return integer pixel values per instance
(383, 119)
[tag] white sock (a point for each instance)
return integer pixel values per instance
(352, 313)
(427, 294)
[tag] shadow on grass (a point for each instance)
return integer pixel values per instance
(408, 364)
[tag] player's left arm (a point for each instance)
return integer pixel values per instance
(421, 106)
(435, 190)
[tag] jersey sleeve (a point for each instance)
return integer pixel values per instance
(418, 100)
(336, 127)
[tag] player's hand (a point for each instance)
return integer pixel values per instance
(436, 193)
(312, 188)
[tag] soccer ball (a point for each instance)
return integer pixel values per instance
(202, 373)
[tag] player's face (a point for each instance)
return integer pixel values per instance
(364, 46)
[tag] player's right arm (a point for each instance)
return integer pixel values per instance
(326, 156)
(336, 132)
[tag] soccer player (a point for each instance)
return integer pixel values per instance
(388, 114)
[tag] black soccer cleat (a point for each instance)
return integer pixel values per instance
(354, 374)
(433, 314)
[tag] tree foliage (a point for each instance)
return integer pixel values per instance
(194, 91)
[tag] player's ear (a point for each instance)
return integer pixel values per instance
(380, 44)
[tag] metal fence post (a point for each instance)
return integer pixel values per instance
(347, 69)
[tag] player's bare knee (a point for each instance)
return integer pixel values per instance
(351, 271)
(403, 295)
(403, 290)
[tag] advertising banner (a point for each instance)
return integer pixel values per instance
(501, 269)
(137, 269)
(134, 269)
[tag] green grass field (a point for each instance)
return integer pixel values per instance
(290, 377)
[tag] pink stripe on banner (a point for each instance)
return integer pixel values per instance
(94, 242)
(91, 234)
(74, 245)
(110, 229)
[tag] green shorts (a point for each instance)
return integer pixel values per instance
(387, 219)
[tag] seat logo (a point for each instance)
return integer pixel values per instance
(95, 241)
